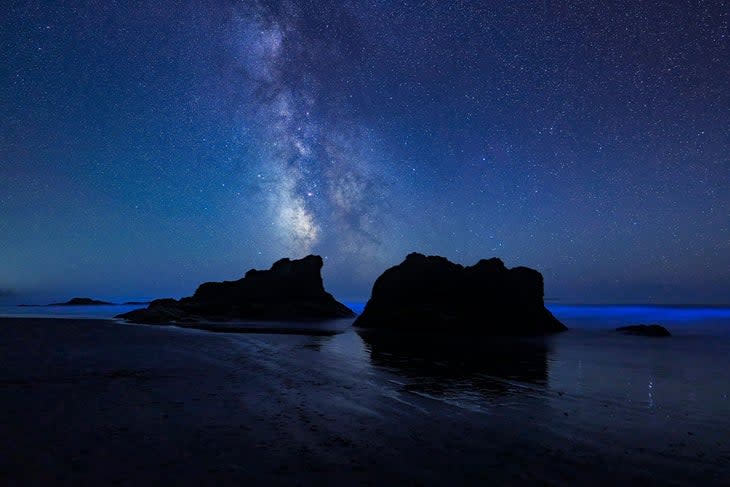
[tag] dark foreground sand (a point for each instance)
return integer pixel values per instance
(101, 403)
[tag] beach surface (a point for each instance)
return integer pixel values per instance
(98, 402)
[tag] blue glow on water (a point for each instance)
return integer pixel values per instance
(574, 316)
(619, 312)
(652, 313)
(356, 306)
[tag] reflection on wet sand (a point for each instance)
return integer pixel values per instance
(445, 365)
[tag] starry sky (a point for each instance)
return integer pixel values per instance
(147, 146)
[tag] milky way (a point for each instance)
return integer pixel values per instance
(314, 165)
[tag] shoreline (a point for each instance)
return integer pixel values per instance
(90, 402)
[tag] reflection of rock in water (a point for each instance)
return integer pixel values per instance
(438, 364)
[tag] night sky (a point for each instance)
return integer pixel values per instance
(147, 146)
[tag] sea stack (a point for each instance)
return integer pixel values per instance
(430, 293)
(291, 290)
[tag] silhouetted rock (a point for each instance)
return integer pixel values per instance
(432, 293)
(644, 330)
(137, 302)
(80, 302)
(159, 311)
(290, 290)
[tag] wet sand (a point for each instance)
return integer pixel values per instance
(92, 402)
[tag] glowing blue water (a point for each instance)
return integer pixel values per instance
(638, 312)
(573, 315)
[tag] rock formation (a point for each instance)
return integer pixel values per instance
(644, 330)
(432, 293)
(80, 302)
(291, 290)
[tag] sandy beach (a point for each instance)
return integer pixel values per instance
(96, 402)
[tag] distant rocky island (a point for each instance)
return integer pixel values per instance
(644, 330)
(72, 302)
(290, 290)
(81, 302)
(430, 293)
